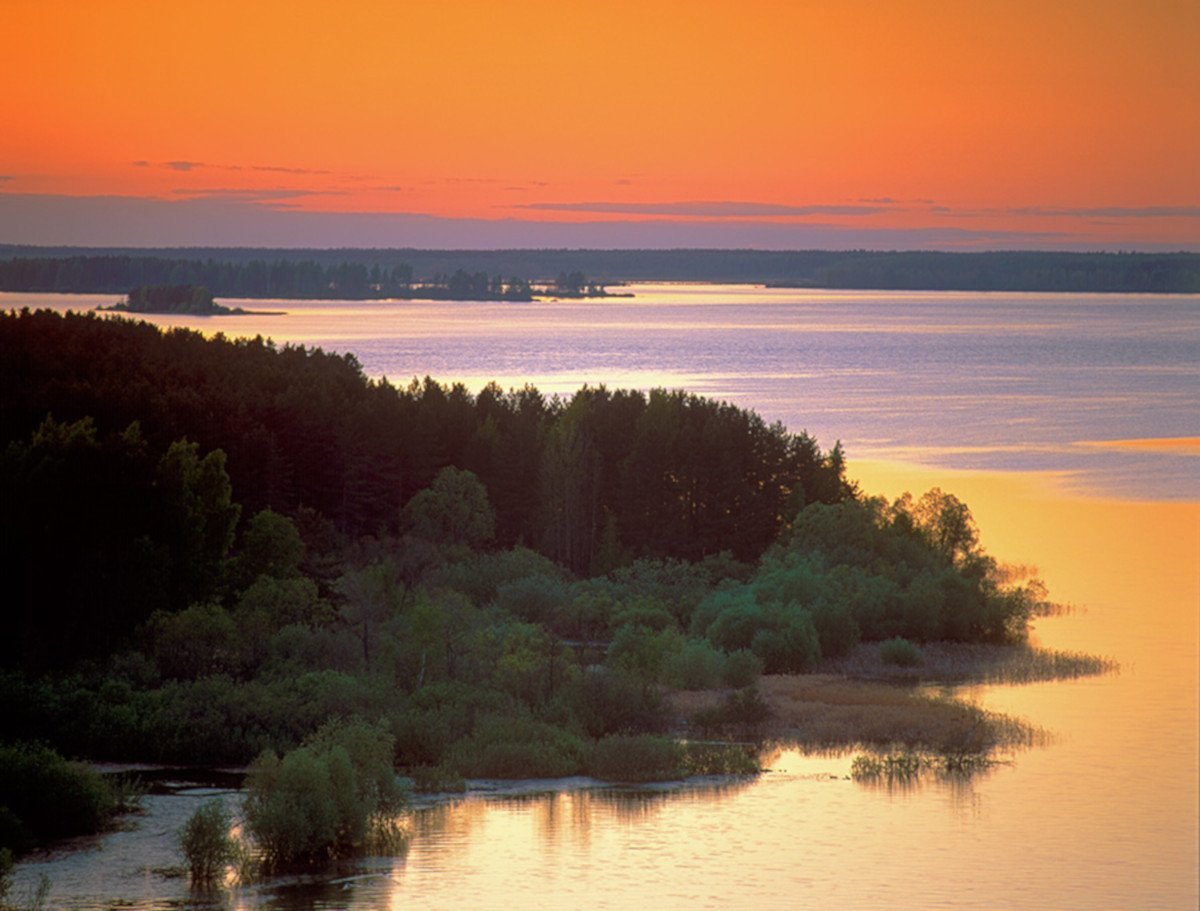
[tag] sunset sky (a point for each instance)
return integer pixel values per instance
(991, 124)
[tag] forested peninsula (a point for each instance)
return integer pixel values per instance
(522, 274)
(214, 549)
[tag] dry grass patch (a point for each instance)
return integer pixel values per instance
(958, 662)
(822, 711)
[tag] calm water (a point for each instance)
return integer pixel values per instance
(1046, 413)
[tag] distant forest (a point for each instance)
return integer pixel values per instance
(476, 274)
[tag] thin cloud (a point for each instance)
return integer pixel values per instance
(703, 209)
(188, 165)
(251, 195)
(280, 169)
(1107, 212)
(1111, 212)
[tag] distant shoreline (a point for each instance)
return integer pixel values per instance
(342, 274)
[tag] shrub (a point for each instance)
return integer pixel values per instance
(613, 702)
(641, 652)
(721, 759)
(481, 575)
(643, 611)
(697, 666)
(205, 840)
(837, 630)
(532, 599)
(321, 800)
(511, 747)
(51, 797)
(642, 757)
(436, 716)
(192, 643)
(742, 669)
(742, 710)
(790, 645)
(736, 626)
(15, 836)
(6, 865)
(900, 652)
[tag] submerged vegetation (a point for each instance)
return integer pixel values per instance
(226, 550)
(205, 841)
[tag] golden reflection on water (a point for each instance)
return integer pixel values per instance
(1103, 816)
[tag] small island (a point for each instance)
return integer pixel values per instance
(189, 300)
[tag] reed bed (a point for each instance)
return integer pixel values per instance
(958, 662)
(906, 767)
(823, 711)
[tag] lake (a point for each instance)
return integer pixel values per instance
(1071, 426)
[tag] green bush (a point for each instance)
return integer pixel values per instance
(789, 644)
(51, 797)
(722, 759)
(532, 599)
(640, 651)
(481, 574)
(512, 747)
(6, 865)
(436, 716)
(15, 836)
(837, 630)
(320, 801)
(742, 669)
(900, 652)
(643, 611)
(205, 840)
(741, 710)
(696, 666)
(634, 758)
(196, 642)
(614, 702)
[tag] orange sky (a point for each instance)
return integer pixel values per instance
(989, 122)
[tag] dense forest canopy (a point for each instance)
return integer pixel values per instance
(662, 474)
(351, 273)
